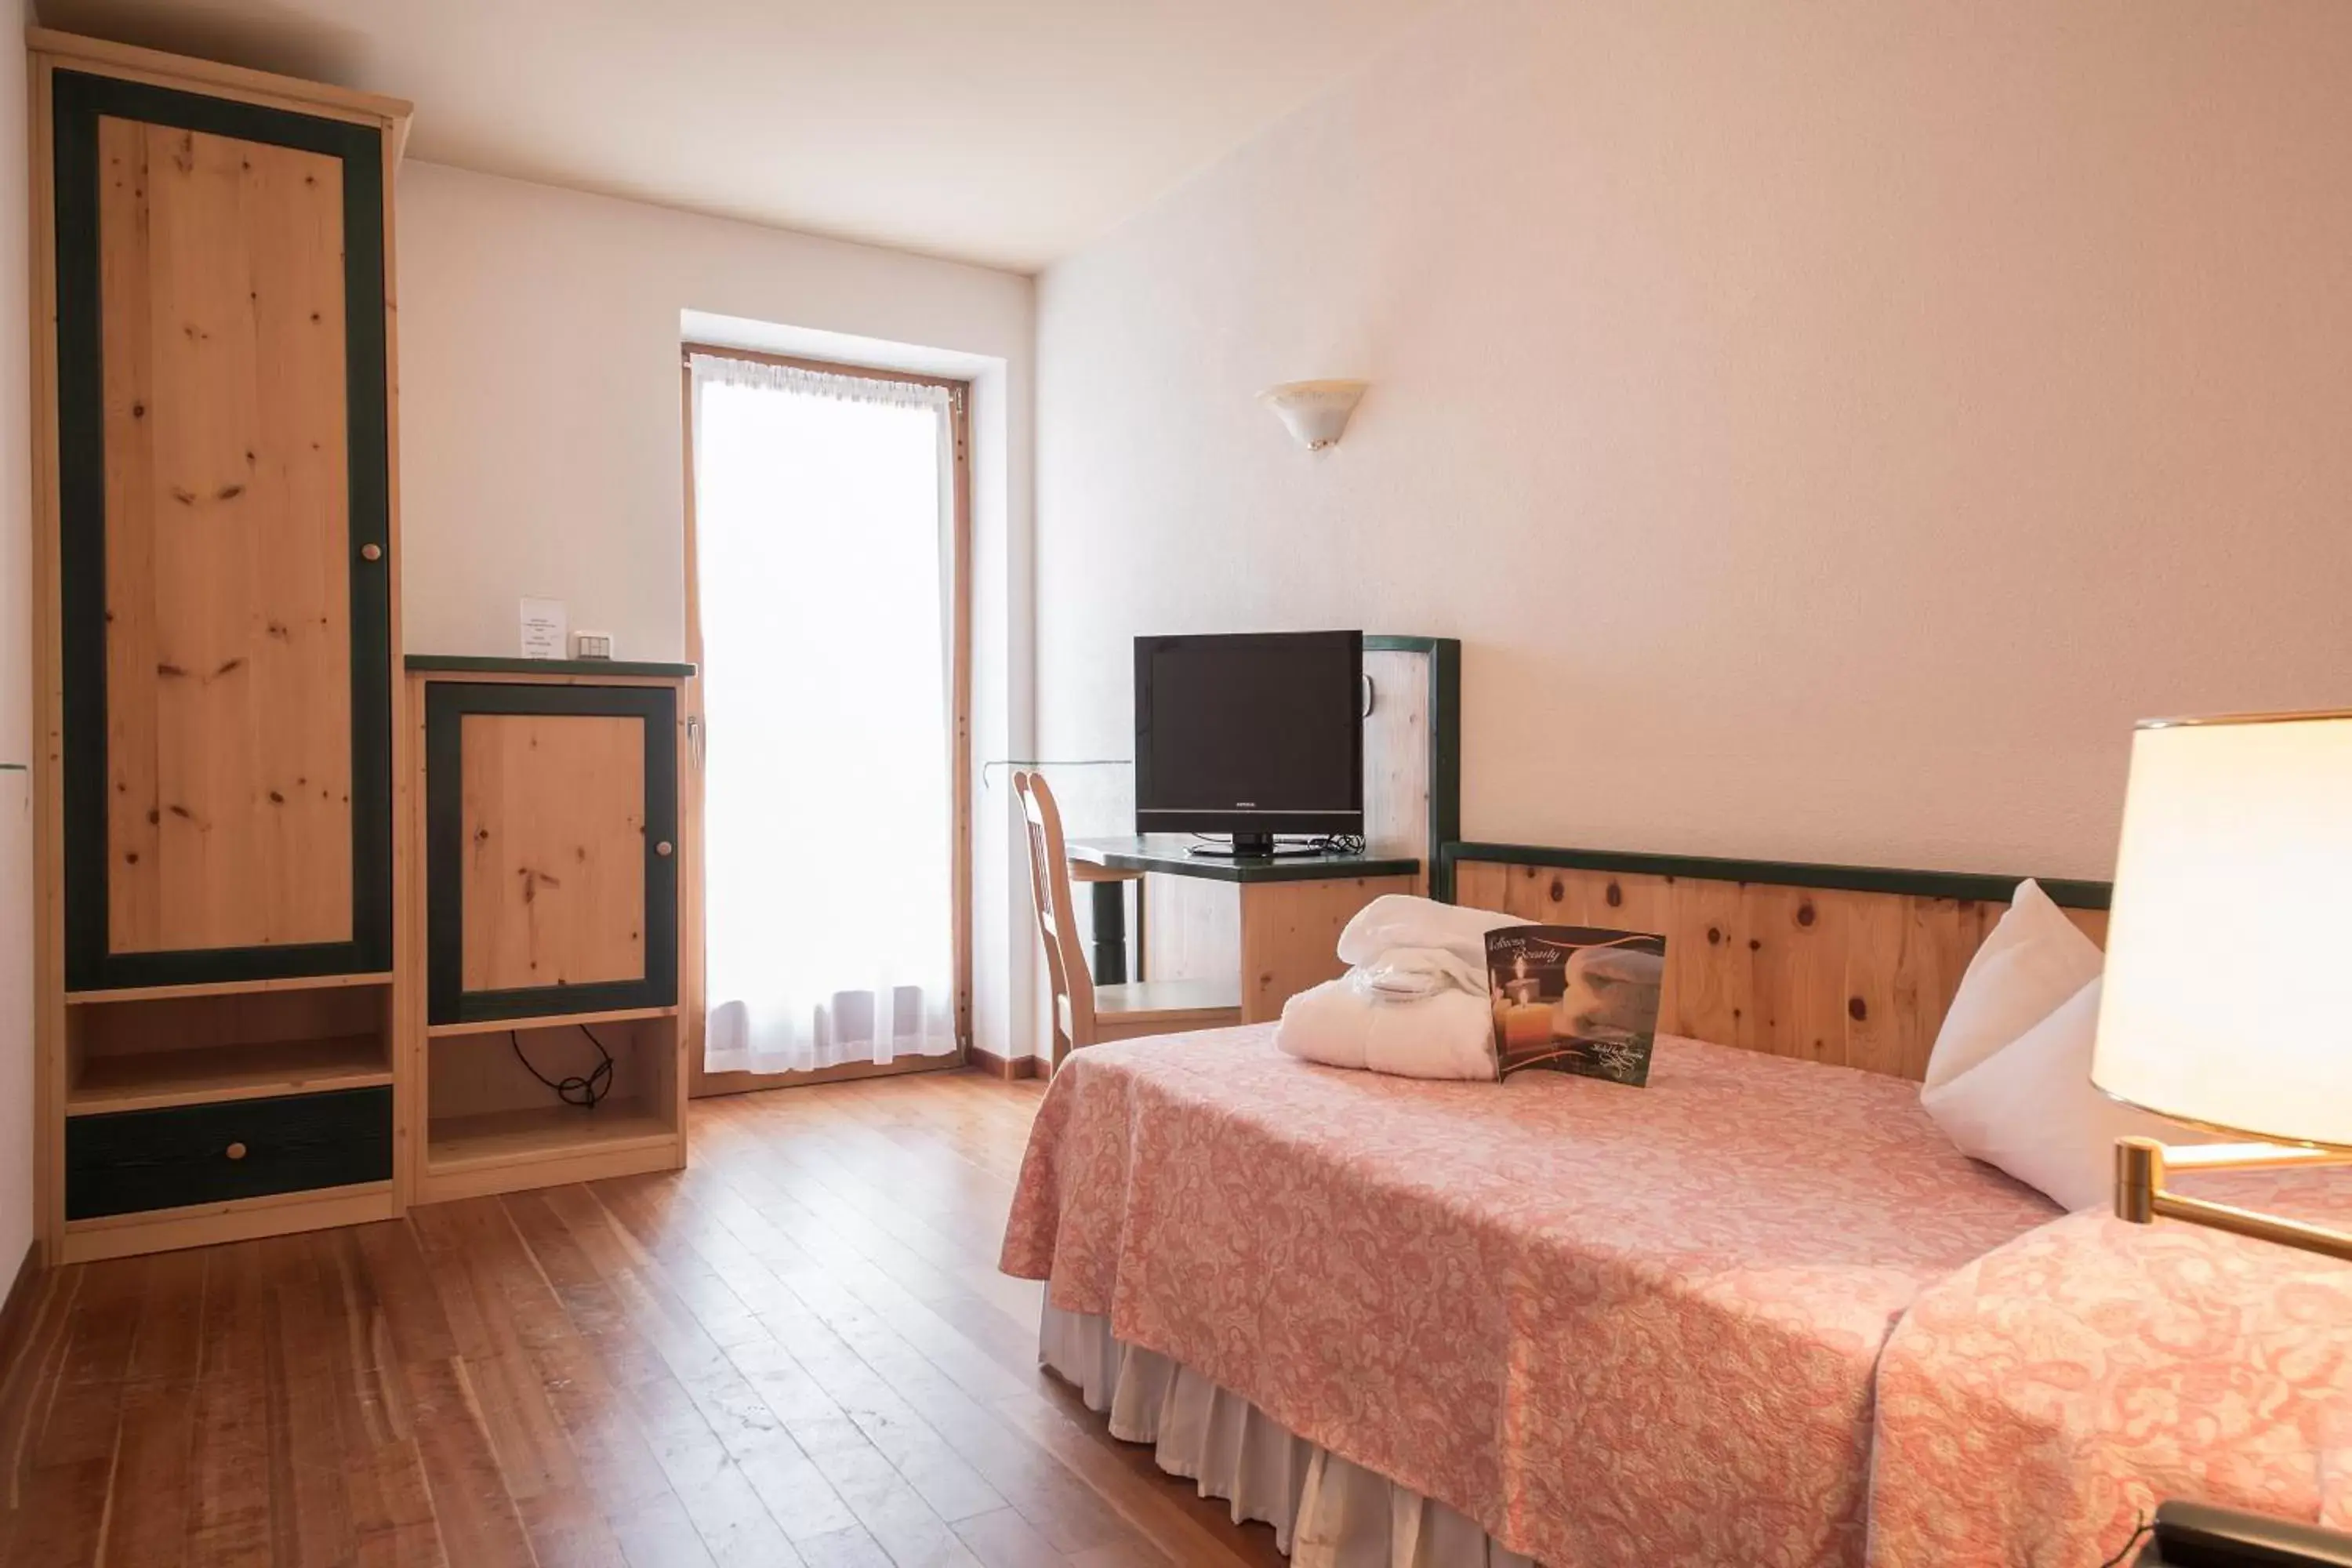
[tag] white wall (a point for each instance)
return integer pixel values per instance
(540, 440)
(17, 1102)
(1828, 424)
(538, 348)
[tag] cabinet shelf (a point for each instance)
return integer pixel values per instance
(465, 1144)
(147, 1080)
(549, 1021)
(227, 988)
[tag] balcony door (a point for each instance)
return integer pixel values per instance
(827, 535)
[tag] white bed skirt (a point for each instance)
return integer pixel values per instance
(1326, 1513)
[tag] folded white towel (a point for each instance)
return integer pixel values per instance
(1401, 921)
(1449, 1033)
(1405, 973)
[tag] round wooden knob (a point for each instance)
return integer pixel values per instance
(235, 1151)
(662, 847)
(371, 551)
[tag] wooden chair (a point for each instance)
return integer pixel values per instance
(1086, 1014)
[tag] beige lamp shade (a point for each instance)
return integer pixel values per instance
(2228, 998)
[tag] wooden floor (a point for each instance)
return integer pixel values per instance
(797, 1351)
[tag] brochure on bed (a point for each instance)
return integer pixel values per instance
(1576, 999)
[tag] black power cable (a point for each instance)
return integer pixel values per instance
(584, 1091)
(2146, 1525)
(1327, 843)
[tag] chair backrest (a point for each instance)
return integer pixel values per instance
(1049, 879)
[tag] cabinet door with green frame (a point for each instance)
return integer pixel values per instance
(224, 557)
(550, 836)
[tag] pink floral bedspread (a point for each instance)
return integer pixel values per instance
(1615, 1326)
(2037, 1405)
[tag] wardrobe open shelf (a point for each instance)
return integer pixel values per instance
(147, 1080)
(149, 1053)
(510, 1137)
(495, 1120)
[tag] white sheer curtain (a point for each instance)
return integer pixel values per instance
(821, 531)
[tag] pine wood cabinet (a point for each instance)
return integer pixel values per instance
(252, 888)
(217, 610)
(548, 887)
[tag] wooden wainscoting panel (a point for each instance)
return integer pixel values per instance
(2092, 923)
(554, 827)
(1857, 978)
(228, 677)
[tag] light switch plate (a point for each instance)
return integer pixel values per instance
(592, 644)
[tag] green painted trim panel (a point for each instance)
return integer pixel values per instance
(1444, 760)
(1445, 744)
(1970, 885)
(1167, 853)
(470, 664)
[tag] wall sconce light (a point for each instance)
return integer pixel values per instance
(1314, 411)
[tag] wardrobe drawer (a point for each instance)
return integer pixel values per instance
(134, 1160)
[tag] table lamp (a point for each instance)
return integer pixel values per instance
(2227, 996)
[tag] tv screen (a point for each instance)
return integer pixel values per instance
(1253, 734)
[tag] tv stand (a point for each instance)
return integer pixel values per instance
(1254, 846)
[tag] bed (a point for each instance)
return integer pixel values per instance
(1474, 1290)
(2036, 1406)
(1560, 1320)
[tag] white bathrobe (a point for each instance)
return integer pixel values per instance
(1415, 1002)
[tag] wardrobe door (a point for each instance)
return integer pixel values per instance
(550, 862)
(224, 571)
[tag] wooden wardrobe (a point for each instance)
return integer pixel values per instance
(221, 728)
(546, 883)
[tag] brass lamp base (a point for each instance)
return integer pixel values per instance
(2141, 1197)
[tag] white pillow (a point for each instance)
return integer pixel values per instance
(2029, 1107)
(2034, 960)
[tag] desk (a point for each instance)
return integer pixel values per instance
(1291, 908)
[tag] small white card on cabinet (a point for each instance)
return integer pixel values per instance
(542, 628)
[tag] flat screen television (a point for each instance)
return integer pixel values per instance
(1253, 735)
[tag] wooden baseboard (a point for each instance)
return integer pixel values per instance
(17, 1316)
(995, 1066)
(237, 1219)
(704, 1085)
